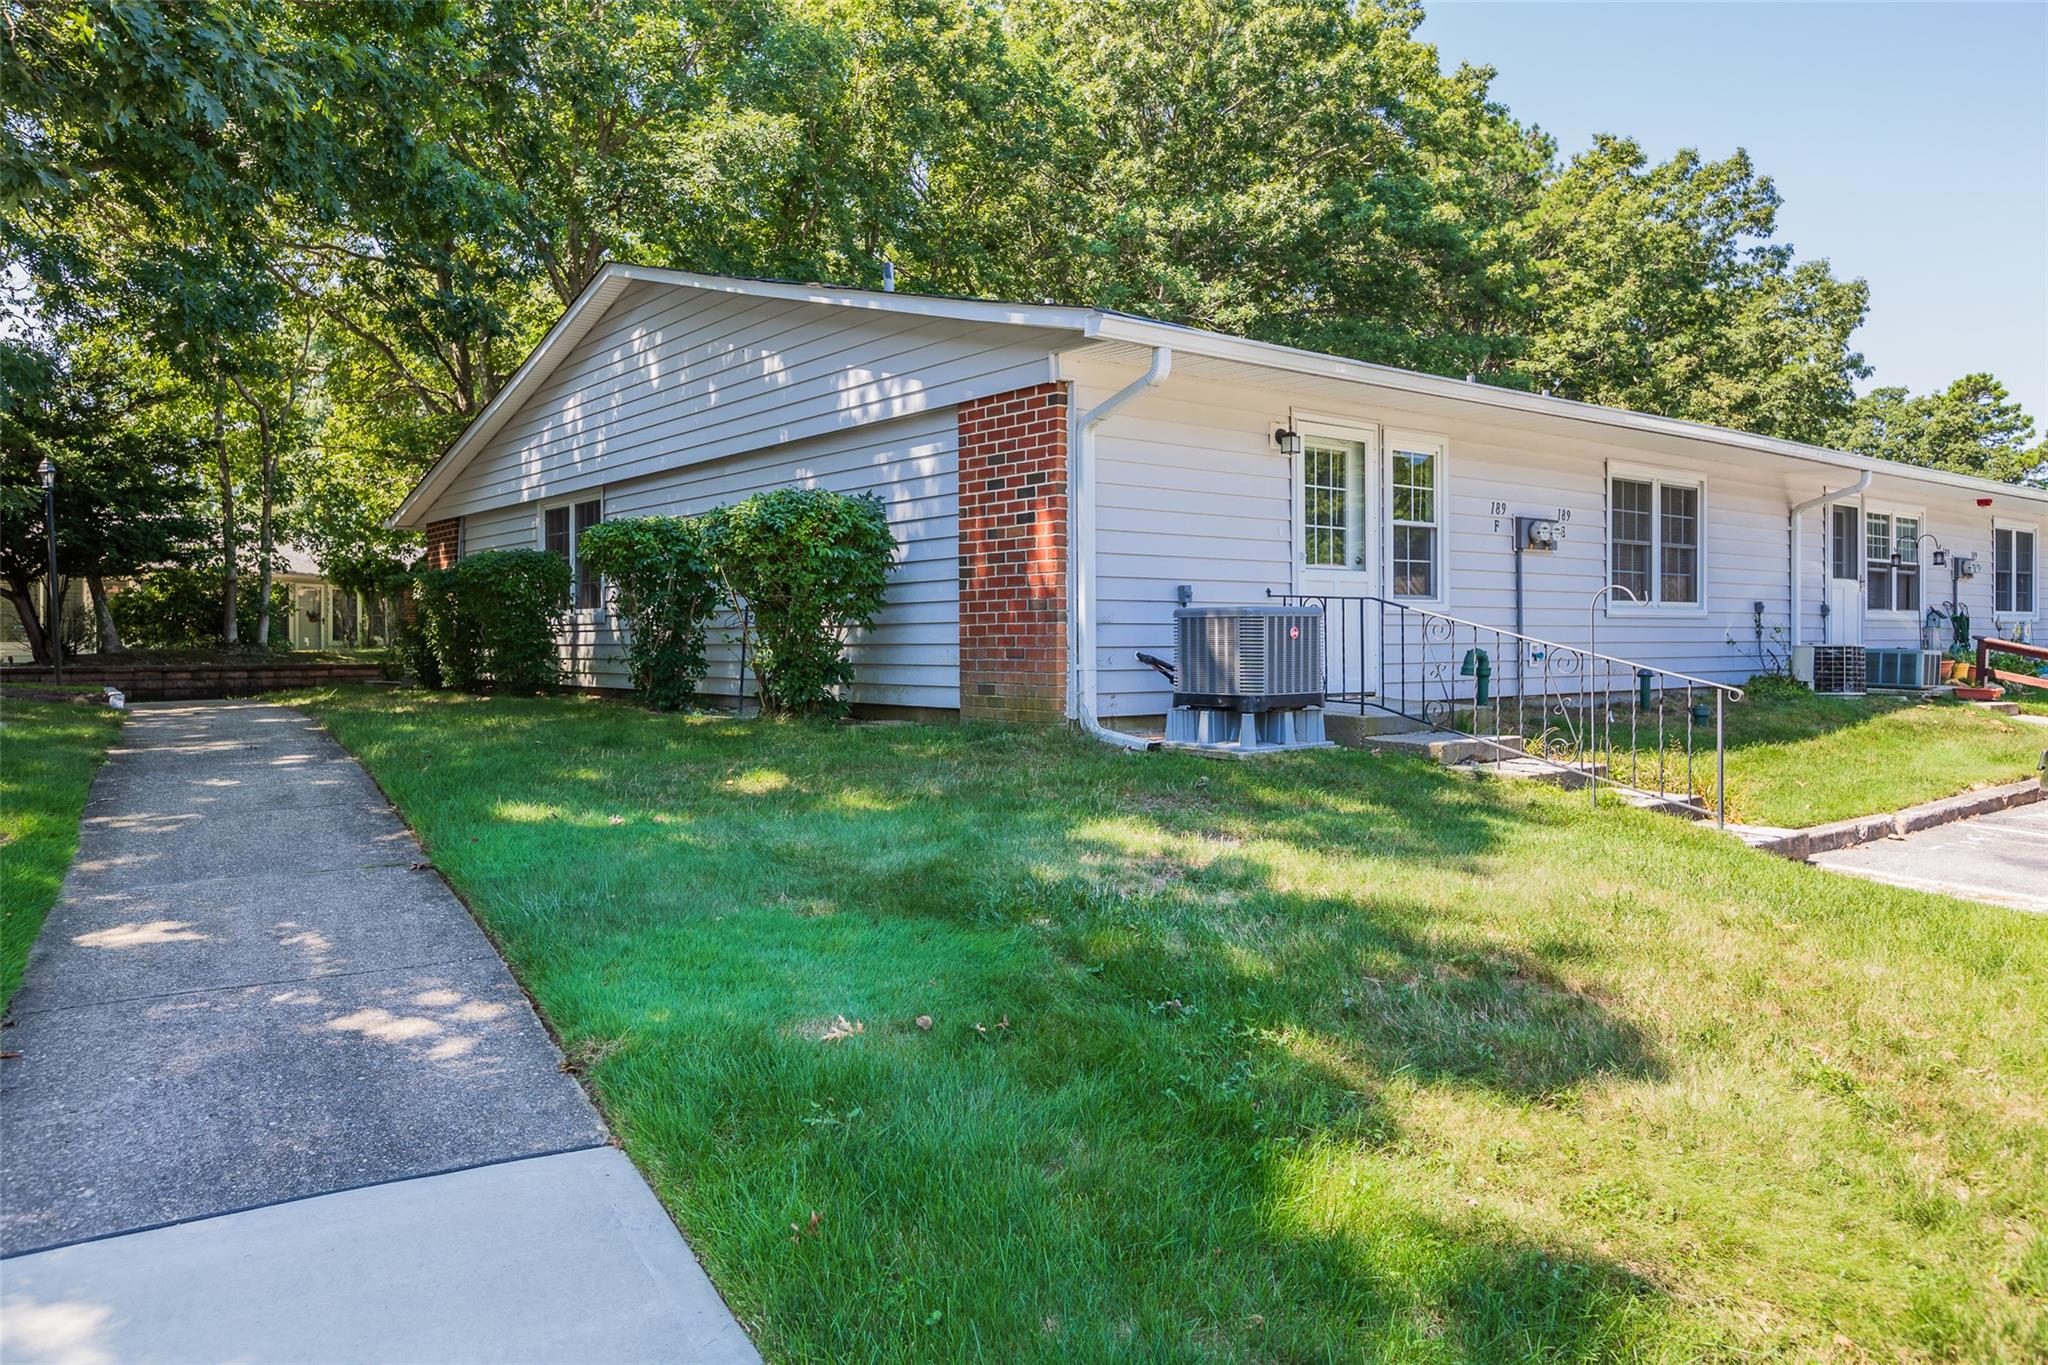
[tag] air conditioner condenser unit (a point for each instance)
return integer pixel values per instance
(1247, 679)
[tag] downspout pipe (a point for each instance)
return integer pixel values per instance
(1797, 515)
(1081, 478)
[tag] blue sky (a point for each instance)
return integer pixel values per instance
(1909, 143)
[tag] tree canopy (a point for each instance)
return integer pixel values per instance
(401, 197)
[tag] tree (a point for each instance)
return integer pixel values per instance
(1659, 288)
(1971, 427)
(1295, 170)
(116, 429)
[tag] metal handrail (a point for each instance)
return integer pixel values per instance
(1296, 598)
(1570, 691)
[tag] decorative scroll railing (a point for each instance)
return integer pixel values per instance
(1610, 721)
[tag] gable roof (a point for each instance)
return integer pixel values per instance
(1097, 325)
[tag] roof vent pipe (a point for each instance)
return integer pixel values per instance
(1797, 516)
(1081, 479)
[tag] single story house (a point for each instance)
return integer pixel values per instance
(1062, 478)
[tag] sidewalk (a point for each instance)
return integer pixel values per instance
(256, 1024)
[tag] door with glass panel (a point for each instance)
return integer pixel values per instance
(1845, 574)
(1335, 553)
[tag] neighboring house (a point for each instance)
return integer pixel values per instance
(311, 613)
(81, 631)
(307, 612)
(1043, 549)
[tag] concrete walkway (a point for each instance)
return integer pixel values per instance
(2001, 858)
(278, 1099)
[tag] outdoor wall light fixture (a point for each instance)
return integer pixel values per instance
(1289, 441)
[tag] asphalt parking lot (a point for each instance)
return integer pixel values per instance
(2001, 857)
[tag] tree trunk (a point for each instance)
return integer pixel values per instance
(23, 596)
(110, 633)
(263, 543)
(228, 630)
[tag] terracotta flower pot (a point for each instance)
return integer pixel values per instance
(1979, 693)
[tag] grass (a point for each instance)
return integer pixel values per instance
(1806, 760)
(1319, 1058)
(49, 752)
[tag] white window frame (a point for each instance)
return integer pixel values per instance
(1438, 448)
(540, 536)
(1361, 564)
(2025, 528)
(1893, 511)
(1659, 478)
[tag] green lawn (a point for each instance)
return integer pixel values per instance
(1317, 1058)
(49, 752)
(1807, 760)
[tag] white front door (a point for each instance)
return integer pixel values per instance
(1336, 484)
(306, 619)
(1845, 574)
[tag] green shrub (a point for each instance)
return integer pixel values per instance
(663, 593)
(490, 621)
(178, 607)
(807, 567)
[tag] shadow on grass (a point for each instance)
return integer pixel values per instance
(1165, 1001)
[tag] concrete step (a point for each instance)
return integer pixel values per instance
(1347, 729)
(2003, 708)
(1573, 778)
(1447, 747)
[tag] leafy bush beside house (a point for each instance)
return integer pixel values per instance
(490, 621)
(664, 592)
(806, 568)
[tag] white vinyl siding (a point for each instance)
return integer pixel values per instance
(1194, 491)
(670, 375)
(911, 655)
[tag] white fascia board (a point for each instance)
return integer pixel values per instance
(1141, 332)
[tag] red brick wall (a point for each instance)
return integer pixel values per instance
(1013, 555)
(444, 542)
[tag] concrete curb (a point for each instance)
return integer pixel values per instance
(1801, 844)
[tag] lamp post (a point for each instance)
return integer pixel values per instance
(56, 624)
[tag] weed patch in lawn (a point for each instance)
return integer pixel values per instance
(962, 1043)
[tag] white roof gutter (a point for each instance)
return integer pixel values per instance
(1081, 480)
